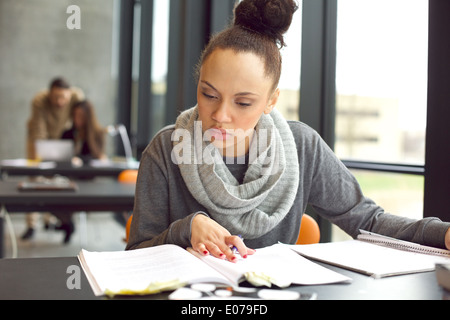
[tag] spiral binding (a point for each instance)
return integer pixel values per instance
(405, 246)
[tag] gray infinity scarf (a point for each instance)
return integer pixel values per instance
(260, 203)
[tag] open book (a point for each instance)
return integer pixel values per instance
(376, 255)
(167, 267)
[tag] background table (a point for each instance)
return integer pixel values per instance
(93, 195)
(108, 169)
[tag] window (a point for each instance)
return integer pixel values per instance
(381, 96)
(381, 80)
(289, 85)
(149, 56)
(160, 54)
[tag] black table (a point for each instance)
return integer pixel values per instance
(46, 278)
(100, 194)
(107, 169)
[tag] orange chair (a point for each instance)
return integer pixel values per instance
(127, 228)
(128, 176)
(309, 231)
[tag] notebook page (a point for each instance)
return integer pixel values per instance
(368, 258)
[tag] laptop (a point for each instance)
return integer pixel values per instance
(54, 150)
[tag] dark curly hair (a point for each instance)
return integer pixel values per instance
(258, 27)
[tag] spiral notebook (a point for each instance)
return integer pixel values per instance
(401, 245)
(376, 255)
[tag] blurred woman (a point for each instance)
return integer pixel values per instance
(86, 132)
(89, 141)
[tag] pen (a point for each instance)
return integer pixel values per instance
(234, 249)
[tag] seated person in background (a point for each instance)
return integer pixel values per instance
(50, 116)
(86, 132)
(88, 136)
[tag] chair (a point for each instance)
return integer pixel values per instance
(309, 231)
(121, 130)
(127, 228)
(128, 176)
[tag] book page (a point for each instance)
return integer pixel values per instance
(28, 163)
(279, 264)
(368, 258)
(135, 270)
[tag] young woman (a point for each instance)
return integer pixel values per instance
(88, 136)
(233, 166)
(86, 132)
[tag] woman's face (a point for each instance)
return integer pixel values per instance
(79, 118)
(232, 94)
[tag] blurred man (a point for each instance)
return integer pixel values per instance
(50, 113)
(50, 117)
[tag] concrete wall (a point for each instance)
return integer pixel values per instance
(36, 45)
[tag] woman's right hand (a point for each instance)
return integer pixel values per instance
(208, 237)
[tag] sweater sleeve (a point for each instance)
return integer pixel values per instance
(152, 222)
(336, 195)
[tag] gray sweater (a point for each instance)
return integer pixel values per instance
(164, 207)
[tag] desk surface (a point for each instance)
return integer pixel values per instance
(46, 278)
(93, 195)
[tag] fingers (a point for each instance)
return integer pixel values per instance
(201, 248)
(210, 248)
(227, 249)
(237, 245)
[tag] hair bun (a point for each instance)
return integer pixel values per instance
(269, 17)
